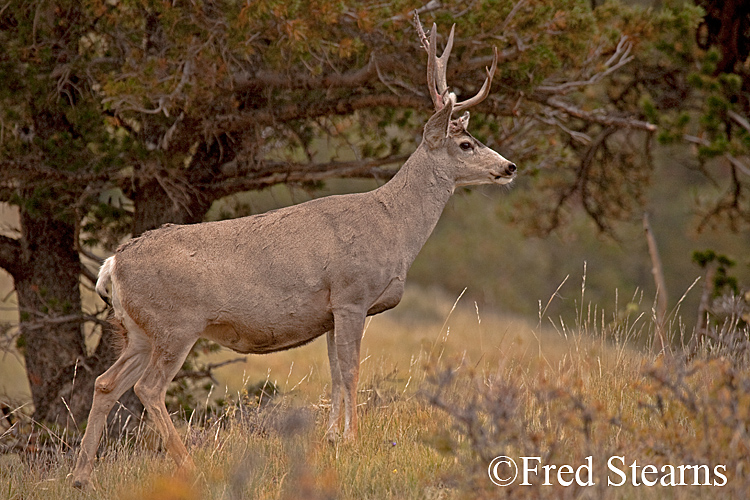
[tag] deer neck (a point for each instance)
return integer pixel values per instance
(414, 199)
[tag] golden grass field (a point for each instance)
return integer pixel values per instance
(443, 391)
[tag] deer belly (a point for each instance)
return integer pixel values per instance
(278, 336)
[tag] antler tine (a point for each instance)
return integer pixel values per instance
(430, 47)
(432, 60)
(483, 92)
(442, 61)
(420, 31)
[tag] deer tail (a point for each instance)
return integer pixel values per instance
(105, 278)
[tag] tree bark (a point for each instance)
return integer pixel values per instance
(45, 269)
(184, 196)
(657, 270)
(726, 24)
(155, 206)
(47, 286)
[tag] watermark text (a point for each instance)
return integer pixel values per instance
(616, 470)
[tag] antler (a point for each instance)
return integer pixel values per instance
(437, 66)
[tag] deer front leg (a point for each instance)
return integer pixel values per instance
(348, 326)
(336, 386)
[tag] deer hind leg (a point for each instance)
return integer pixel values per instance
(336, 388)
(108, 388)
(151, 389)
(348, 326)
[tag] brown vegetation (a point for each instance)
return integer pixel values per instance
(466, 388)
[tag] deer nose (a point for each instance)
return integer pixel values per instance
(511, 169)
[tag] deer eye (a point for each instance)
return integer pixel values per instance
(466, 146)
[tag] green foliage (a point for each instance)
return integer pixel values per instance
(106, 225)
(151, 80)
(701, 107)
(723, 282)
(53, 108)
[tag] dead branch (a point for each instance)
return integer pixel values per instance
(207, 371)
(745, 169)
(619, 59)
(607, 120)
(43, 320)
(304, 110)
(128, 103)
(657, 271)
(263, 174)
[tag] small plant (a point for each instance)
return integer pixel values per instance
(724, 310)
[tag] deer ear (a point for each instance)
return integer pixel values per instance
(436, 129)
(464, 120)
(460, 124)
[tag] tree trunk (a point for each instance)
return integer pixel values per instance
(61, 376)
(186, 195)
(726, 24)
(154, 207)
(46, 271)
(49, 302)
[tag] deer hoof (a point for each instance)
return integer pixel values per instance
(80, 484)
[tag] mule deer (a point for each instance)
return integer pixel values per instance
(279, 280)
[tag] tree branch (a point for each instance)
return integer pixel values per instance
(13, 170)
(46, 320)
(745, 169)
(207, 371)
(619, 59)
(88, 273)
(302, 81)
(265, 174)
(741, 120)
(657, 270)
(303, 110)
(609, 121)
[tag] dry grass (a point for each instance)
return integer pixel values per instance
(442, 392)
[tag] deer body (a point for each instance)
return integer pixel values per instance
(269, 282)
(281, 279)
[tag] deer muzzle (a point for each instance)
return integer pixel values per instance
(505, 174)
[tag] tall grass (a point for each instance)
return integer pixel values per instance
(445, 388)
